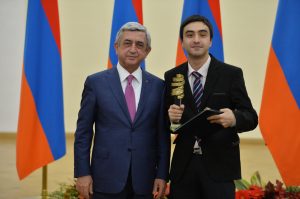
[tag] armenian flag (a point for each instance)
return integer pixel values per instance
(279, 116)
(41, 134)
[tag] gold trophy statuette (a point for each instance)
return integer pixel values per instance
(178, 93)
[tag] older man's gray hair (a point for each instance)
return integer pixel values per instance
(133, 26)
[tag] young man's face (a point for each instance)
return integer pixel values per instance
(196, 39)
(132, 49)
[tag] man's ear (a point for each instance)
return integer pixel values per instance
(148, 50)
(116, 47)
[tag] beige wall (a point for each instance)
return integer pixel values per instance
(85, 35)
(85, 28)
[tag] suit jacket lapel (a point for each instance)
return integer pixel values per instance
(116, 88)
(212, 76)
(146, 87)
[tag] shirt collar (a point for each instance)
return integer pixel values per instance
(202, 70)
(123, 73)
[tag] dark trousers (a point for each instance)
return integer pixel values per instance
(197, 184)
(126, 193)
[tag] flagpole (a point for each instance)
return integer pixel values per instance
(44, 182)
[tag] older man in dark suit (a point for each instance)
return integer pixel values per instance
(206, 160)
(131, 145)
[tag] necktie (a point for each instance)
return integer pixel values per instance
(197, 93)
(197, 88)
(130, 97)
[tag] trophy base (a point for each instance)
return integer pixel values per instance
(174, 126)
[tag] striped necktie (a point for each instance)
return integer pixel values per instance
(197, 88)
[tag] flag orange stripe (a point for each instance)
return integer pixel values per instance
(31, 141)
(109, 65)
(278, 105)
(180, 56)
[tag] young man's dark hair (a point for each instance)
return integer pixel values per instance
(195, 18)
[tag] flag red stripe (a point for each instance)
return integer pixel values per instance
(51, 10)
(215, 9)
(138, 7)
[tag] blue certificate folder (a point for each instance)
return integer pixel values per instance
(199, 121)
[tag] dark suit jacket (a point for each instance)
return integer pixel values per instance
(224, 88)
(119, 144)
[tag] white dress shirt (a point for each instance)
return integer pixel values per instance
(202, 70)
(136, 82)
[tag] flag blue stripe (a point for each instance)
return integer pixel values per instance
(201, 7)
(43, 70)
(286, 43)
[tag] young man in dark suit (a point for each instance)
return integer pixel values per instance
(206, 160)
(131, 145)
